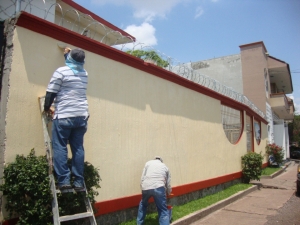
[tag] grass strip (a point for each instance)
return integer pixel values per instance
(193, 206)
(269, 170)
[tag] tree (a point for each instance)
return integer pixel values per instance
(149, 55)
(294, 129)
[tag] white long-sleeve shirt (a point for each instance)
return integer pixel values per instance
(156, 174)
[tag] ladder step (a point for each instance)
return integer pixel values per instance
(69, 190)
(76, 216)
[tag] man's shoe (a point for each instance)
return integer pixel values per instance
(65, 186)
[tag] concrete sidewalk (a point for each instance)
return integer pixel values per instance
(251, 206)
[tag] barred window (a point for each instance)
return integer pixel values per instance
(232, 123)
(257, 131)
(249, 130)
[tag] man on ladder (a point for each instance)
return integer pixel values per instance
(67, 88)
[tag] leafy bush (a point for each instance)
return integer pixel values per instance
(27, 191)
(251, 166)
(275, 151)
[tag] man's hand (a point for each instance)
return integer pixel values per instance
(49, 113)
(67, 50)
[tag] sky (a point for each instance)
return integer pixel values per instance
(194, 30)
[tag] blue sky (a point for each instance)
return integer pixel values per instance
(193, 30)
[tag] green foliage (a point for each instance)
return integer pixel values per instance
(193, 206)
(251, 166)
(275, 151)
(269, 170)
(27, 191)
(151, 55)
(294, 130)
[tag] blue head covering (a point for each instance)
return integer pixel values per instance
(75, 65)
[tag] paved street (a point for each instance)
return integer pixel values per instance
(269, 203)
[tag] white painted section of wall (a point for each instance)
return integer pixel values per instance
(279, 135)
(287, 141)
(270, 123)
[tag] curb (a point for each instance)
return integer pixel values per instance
(276, 173)
(193, 217)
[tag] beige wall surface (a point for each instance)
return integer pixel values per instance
(254, 61)
(134, 117)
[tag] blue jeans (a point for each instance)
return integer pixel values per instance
(160, 199)
(72, 130)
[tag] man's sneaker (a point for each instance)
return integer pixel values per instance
(65, 186)
(78, 189)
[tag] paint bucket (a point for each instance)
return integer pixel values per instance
(170, 211)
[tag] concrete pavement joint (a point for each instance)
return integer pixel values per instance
(230, 210)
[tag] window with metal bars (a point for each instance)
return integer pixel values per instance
(249, 129)
(232, 123)
(257, 131)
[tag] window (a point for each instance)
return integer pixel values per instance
(249, 132)
(257, 131)
(266, 83)
(232, 123)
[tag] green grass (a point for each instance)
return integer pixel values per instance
(193, 206)
(270, 170)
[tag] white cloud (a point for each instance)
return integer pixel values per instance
(199, 12)
(145, 9)
(144, 34)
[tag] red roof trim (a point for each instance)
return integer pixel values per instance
(94, 16)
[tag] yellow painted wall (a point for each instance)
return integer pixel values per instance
(134, 117)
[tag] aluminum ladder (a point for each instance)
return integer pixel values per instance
(48, 147)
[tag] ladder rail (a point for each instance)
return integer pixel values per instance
(55, 210)
(47, 139)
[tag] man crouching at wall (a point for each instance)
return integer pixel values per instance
(155, 182)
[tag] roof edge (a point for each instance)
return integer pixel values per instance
(255, 43)
(288, 67)
(96, 17)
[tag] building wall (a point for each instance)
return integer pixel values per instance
(254, 62)
(138, 111)
(227, 70)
